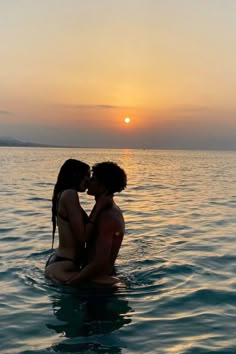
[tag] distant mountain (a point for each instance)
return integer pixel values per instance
(5, 141)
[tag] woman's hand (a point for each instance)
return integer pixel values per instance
(103, 202)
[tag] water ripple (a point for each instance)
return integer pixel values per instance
(177, 264)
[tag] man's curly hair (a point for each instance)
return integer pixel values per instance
(112, 176)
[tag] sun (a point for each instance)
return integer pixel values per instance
(127, 120)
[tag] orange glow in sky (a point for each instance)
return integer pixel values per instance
(75, 88)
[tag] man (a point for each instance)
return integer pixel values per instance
(107, 229)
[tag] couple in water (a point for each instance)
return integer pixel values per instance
(88, 245)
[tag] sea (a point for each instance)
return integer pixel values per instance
(177, 263)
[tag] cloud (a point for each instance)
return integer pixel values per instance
(94, 106)
(185, 136)
(106, 106)
(2, 111)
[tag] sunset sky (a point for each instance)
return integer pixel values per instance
(72, 70)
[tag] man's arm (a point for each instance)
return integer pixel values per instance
(100, 263)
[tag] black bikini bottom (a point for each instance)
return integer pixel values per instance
(54, 258)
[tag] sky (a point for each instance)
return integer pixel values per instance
(72, 70)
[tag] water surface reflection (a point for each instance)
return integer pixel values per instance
(88, 314)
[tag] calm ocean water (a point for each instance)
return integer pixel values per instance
(178, 259)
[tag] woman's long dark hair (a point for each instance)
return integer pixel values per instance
(70, 176)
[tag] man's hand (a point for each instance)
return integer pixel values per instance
(72, 279)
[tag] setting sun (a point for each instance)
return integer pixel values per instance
(127, 120)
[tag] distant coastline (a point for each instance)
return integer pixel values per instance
(11, 142)
(17, 143)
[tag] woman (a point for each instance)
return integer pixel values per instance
(70, 218)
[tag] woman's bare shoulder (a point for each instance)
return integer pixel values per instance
(69, 195)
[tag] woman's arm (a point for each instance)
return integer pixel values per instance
(102, 203)
(101, 262)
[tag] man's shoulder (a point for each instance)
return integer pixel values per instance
(112, 211)
(111, 216)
